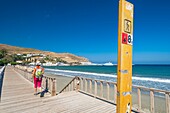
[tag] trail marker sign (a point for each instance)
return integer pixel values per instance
(127, 26)
(127, 39)
(124, 38)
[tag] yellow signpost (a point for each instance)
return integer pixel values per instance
(124, 70)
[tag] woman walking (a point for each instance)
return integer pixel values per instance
(37, 76)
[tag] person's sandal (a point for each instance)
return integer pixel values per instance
(35, 93)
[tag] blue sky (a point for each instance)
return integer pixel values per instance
(86, 28)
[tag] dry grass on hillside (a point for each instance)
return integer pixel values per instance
(65, 56)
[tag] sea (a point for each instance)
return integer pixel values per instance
(151, 76)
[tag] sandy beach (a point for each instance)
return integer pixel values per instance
(61, 81)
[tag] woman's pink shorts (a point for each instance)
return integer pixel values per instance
(37, 82)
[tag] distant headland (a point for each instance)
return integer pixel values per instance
(28, 56)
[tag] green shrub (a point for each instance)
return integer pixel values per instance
(14, 63)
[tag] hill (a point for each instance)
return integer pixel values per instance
(70, 58)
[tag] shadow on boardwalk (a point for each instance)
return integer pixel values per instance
(43, 92)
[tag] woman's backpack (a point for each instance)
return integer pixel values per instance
(38, 73)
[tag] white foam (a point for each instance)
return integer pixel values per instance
(152, 79)
(112, 75)
(62, 74)
(79, 72)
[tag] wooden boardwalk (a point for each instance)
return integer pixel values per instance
(17, 97)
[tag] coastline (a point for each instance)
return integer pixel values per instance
(148, 76)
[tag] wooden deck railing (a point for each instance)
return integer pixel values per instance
(151, 92)
(103, 90)
(96, 88)
(48, 83)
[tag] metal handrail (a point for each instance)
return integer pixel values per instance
(67, 85)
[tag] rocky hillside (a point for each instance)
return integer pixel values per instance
(70, 58)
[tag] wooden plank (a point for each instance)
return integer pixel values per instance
(86, 85)
(81, 82)
(69, 89)
(167, 103)
(100, 108)
(97, 108)
(82, 101)
(60, 98)
(105, 108)
(90, 86)
(73, 85)
(85, 105)
(53, 91)
(108, 91)
(95, 88)
(101, 89)
(92, 109)
(13, 101)
(139, 99)
(152, 102)
(23, 108)
(19, 103)
(115, 93)
(77, 84)
(49, 84)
